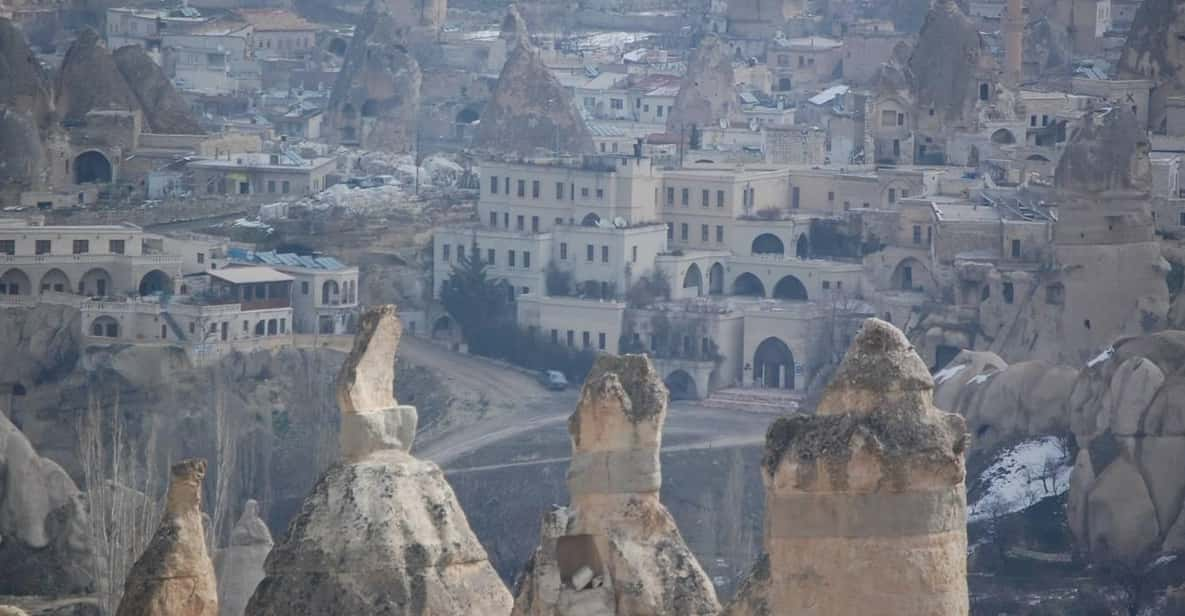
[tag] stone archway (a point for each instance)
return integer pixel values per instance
(716, 279)
(773, 364)
(694, 279)
(681, 385)
(95, 283)
(15, 282)
(1003, 136)
(908, 274)
(156, 281)
(790, 287)
(92, 167)
(55, 280)
(748, 284)
(768, 243)
(802, 248)
(590, 220)
(442, 327)
(105, 327)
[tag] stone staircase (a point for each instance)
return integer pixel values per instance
(755, 400)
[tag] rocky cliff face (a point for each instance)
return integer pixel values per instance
(865, 501)
(399, 544)
(1155, 49)
(529, 109)
(174, 575)
(164, 109)
(616, 550)
(239, 565)
(44, 548)
(1127, 412)
(707, 93)
(89, 79)
(26, 86)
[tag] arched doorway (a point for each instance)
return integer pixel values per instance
(337, 46)
(92, 166)
(15, 282)
(716, 279)
(802, 248)
(748, 284)
(768, 243)
(790, 287)
(442, 327)
(909, 275)
(329, 292)
(105, 327)
(694, 279)
(1003, 136)
(55, 280)
(465, 119)
(590, 220)
(681, 385)
(95, 283)
(773, 364)
(156, 281)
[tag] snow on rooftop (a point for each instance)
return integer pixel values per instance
(828, 95)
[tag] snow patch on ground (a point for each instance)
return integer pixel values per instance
(981, 378)
(1101, 357)
(1021, 476)
(947, 373)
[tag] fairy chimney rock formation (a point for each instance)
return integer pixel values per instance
(707, 93)
(164, 109)
(174, 575)
(529, 109)
(381, 532)
(1155, 50)
(616, 550)
(240, 564)
(90, 80)
(865, 501)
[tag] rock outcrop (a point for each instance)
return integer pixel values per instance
(164, 109)
(707, 93)
(865, 501)
(376, 97)
(1127, 412)
(1002, 402)
(24, 84)
(89, 80)
(44, 546)
(174, 575)
(616, 550)
(529, 109)
(382, 532)
(1155, 49)
(239, 566)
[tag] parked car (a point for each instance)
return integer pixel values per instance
(553, 380)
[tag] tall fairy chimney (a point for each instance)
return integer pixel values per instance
(1014, 27)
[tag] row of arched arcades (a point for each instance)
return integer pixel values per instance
(788, 287)
(771, 367)
(96, 282)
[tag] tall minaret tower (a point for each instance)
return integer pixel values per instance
(1014, 28)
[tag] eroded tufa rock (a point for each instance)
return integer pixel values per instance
(865, 501)
(616, 550)
(240, 564)
(371, 418)
(174, 575)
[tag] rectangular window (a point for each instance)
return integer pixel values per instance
(892, 195)
(535, 189)
(659, 111)
(304, 287)
(585, 339)
(534, 224)
(271, 186)
(283, 325)
(917, 234)
(1181, 219)
(201, 257)
(41, 247)
(590, 253)
(683, 232)
(510, 258)
(616, 103)
(460, 252)
(506, 185)
(555, 336)
(794, 197)
(527, 259)
(719, 234)
(563, 251)
(826, 284)
(522, 188)
(685, 197)
(520, 222)
(115, 247)
(491, 256)
(670, 196)
(493, 184)
(81, 247)
(705, 198)
(285, 187)
(703, 233)
(446, 253)
(493, 219)
(671, 227)
(600, 193)
(720, 198)
(584, 192)
(571, 337)
(7, 247)
(604, 254)
(559, 190)
(634, 254)
(601, 341)
(506, 219)
(1015, 249)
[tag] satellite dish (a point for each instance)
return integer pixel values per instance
(620, 222)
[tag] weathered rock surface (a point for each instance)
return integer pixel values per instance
(529, 109)
(707, 93)
(1155, 49)
(616, 550)
(239, 566)
(24, 84)
(174, 575)
(865, 501)
(947, 64)
(382, 532)
(164, 109)
(44, 546)
(1127, 411)
(89, 80)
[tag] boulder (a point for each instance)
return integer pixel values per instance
(1131, 391)
(381, 532)
(174, 576)
(1122, 521)
(239, 566)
